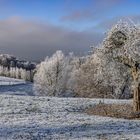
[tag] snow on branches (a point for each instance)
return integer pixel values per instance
(53, 74)
(104, 73)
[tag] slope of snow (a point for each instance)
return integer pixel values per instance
(41, 118)
(10, 81)
(11, 86)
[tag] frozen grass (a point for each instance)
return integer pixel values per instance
(42, 118)
(26, 117)
(124, 111)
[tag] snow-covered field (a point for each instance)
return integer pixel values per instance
(10, 81)
(11, 86)
(45, 118)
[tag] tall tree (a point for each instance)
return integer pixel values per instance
(125, 39)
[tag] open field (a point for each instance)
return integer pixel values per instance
(36, 118)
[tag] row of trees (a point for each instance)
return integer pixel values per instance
(90, 76)
(10, 66)
(112, 70)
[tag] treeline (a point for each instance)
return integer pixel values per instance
(112, 70)
(12, 67)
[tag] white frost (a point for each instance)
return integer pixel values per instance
(10, 81)
(25, 117)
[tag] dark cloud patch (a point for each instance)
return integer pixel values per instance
(33, 41)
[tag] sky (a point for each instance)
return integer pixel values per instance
(34, 29)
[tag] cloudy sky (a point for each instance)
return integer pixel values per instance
(33, 29)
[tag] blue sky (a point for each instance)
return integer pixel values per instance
(74, 25)
(77, 14)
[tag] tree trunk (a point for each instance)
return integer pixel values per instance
(136, 100)
(136, 90)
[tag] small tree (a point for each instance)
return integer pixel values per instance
(52, 75)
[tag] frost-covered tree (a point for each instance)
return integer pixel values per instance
(52, 75)
(124, 38)
(74, 66)
(86, 80)
(112, 73)
(102, 76)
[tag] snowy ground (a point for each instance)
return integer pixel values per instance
(10, 81)
(44, 118)
(13, 86)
